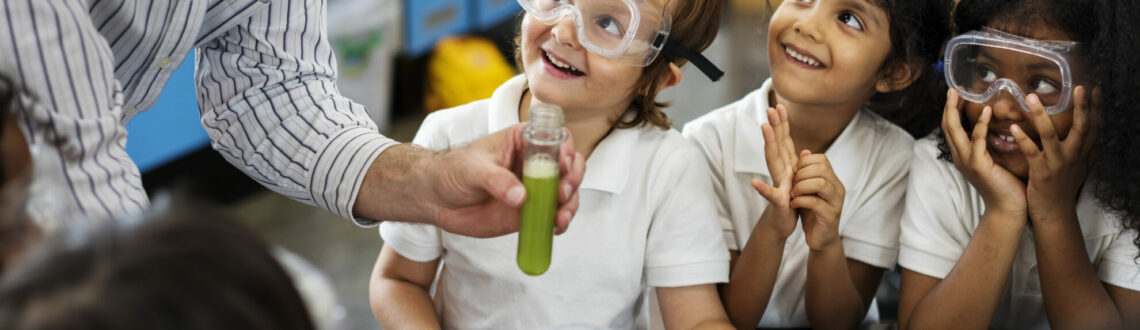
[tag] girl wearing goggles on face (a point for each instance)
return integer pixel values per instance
(1033, 224)
(828, 163)
(647, 216)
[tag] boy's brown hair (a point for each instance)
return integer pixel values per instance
(695, 25)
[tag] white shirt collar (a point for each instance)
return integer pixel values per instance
(843, 154)
(609, 159)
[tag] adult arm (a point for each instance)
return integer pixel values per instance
(73, 115)
(270, 105)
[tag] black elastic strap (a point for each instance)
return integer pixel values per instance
(674, 50)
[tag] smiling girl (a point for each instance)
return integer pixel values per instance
(831, 172)
(1025, 229)
(647, 216)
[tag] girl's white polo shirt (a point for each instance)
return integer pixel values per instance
(943, 211)
(870, 157)
(646, 218)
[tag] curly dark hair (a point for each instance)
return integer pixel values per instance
(1109, 30)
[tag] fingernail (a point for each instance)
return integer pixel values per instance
(949, 93)
(1032, 99)
(564, 217)
(1014, 128)
(566, 191)
(516, 195)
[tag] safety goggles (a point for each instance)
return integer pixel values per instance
(982, 63)
(632, 32)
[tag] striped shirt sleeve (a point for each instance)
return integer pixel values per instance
(75, 104)
(270, 105)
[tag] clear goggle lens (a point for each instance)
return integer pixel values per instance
(980, 68)
(628, 31)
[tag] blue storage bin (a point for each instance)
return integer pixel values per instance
(425, 21)
(488, 13)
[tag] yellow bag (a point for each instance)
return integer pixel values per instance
(462, 70)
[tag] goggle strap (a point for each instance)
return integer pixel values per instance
(674, 50)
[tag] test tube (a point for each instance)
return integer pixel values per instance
(543, 135)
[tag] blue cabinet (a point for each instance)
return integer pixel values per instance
(426, 21)
(488, 13)
(172, 127)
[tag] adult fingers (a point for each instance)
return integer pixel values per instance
(573, 173)
(566, 212)
(499, 182)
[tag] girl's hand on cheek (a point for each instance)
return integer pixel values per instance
(1001, 190)
(1057, 170)
(818, 194)
(779, 151)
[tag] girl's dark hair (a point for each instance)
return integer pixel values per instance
(918, 29)
(1109, 30)
(190, 267)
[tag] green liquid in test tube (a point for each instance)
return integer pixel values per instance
(540, 177)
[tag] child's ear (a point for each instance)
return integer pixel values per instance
(898, 76)
(672, 77)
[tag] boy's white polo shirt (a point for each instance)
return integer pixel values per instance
(870, 157)
(943, 211)
(646, 217)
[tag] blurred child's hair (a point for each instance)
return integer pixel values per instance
(17, 232)
(694, 24)
(188, 267)
(9, 107)
(919, 29)
(1109, 30)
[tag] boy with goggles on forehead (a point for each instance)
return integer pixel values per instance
(647, 218)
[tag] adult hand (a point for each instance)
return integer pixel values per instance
(1001, 190)
(818, 194)
(779, 152)
(1057, 170)
(473, 190)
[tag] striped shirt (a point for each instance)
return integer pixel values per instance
(266, 82)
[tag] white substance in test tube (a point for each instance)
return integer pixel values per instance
(540, 166)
